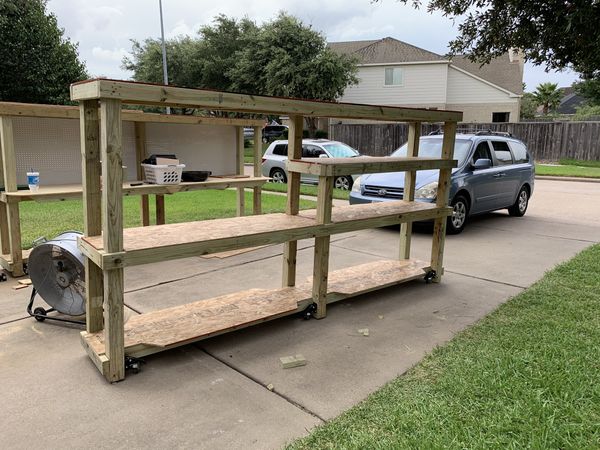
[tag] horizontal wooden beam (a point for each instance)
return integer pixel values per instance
(162, 95)
(331, 167)
(72, 112)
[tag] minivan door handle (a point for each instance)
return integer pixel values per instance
(498, 175)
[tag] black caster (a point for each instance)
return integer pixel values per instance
(25, 269)
(429, 276)
(40, 314)
(133, 364)
(309, 312)
(3, 277)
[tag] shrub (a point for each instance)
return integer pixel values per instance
(321, 134)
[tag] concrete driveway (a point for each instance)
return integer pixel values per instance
(213, 394)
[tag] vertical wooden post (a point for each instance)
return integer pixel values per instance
(4, 234)
(112, 234)
(140, 155)
(414, 134)
(321, 257)
(290, 249)
(89, 131)
(439, 226)
(257, 206)
(9, 167)
(239, 163)
(160, 209)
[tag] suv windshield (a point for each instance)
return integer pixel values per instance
(432, 148)
(339, 150)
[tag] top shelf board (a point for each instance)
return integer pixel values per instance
(332, 167)
(72, 112)
(162, 95)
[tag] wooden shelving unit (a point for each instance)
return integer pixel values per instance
(12, 258)
(109, 248)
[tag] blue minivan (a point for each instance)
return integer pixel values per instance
(495, 171)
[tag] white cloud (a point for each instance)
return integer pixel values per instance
(109, 55)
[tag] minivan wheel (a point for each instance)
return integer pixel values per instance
(460, 211)
(520, 206)
(344, 183)
(278, 176)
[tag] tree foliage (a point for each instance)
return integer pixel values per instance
(548, 96)
(590, 90)
(37, 63)
(282, 57)
(528, 106)
(556, 33)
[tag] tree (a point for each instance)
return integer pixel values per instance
(37, 63)
(528, 106)
(589, 89)
(557, 34)
(548, 96)
(283, 57)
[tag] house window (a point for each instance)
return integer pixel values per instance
(500, 117)
(393, 76)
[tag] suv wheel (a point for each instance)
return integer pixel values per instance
(344, 183)
(460, 211)
(278, 176)
(520, 206)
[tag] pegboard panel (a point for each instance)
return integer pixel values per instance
(199, 147)
(52, 147)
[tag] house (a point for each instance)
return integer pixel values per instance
(570, 101)
(392, 72)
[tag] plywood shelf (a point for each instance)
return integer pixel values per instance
(168, 328)
(7, 263)
(332, 167)
(64, 192)
(159, 243)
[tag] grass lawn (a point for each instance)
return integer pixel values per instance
(51, 218)
(577, 162)
(526, 376)
(249, 152)
(570, 170)
(305, 189)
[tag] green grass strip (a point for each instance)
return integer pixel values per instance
(305, 189)
(52, 218)
(567, 171)
(525, 376)
(578, 162)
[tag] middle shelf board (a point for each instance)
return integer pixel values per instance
(332, 167)
(155, 243)
(171, 327)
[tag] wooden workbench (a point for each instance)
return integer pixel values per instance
(110, 248)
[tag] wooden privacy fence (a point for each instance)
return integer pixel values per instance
(545, 140)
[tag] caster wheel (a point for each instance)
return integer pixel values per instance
(3, 277)
(39, 314)
(25, 269)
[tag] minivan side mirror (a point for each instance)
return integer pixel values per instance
(482, 164)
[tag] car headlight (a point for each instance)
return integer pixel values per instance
(429, 191)
(356, 185)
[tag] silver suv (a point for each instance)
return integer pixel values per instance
(275, 157)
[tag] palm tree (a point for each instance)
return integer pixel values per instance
(548, 95)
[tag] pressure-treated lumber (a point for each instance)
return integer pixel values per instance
(9, 169)
(161, 95)
(140, 155)
(257, 154)
(178, 240)
(439, 225)
(72, 112)
(112, 234)
(321, 254)
(4, 234)
(290, 248)
(414, 134)
(89, 133)
(333, 167)
(239, 164)
(64, 192)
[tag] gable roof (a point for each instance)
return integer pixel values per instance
(500, 71)
(386, 50)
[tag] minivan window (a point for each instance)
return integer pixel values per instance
(281, 150)
(339, 150)
(502, 152)
(482, 151)
(432, 148)
(520, 152)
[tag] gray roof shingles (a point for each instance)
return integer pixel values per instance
(500, 71)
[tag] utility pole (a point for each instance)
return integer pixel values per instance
(164, 50)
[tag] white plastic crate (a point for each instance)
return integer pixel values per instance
(163, 174)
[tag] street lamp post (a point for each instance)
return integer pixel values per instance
(164, 50)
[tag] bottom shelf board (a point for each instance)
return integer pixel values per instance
(6, 260)
(168, 328)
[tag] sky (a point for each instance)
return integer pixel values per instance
(104, 28)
